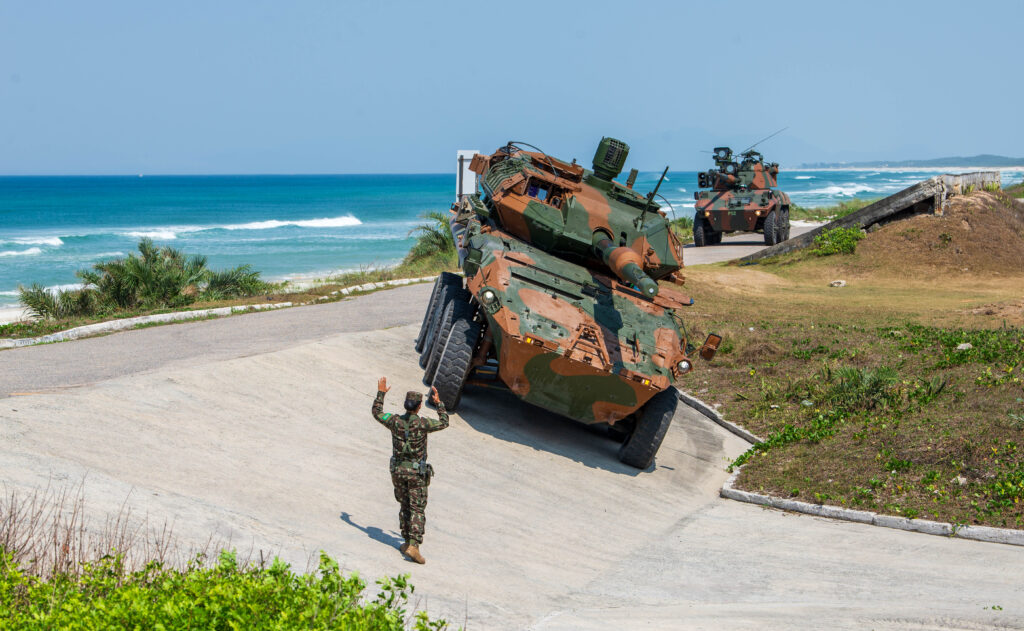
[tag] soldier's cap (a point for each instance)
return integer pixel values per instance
(413, 396)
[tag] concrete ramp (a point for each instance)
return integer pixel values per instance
(929, 196)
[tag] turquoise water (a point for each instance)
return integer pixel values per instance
(285, 226)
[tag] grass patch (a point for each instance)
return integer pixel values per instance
(861, 393)
(1015, 190)
(828, 213)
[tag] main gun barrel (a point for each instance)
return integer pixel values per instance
(626, 264)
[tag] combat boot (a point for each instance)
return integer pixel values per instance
(413, 552)
(402, 548)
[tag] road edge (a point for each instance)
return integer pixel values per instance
(112, 326)
(987, 534)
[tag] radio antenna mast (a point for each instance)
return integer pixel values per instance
(764, 139)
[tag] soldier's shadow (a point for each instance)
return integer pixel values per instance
(373, 532)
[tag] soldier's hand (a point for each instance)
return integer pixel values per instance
(382, 385)
(433, 396)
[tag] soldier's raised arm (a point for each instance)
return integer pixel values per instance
(442, 415)
(378, 405)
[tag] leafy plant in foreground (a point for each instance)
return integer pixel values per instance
(837, 241)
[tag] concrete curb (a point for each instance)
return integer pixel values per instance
(987, 534)
(713, 414)
(128, 323)
(943, 529)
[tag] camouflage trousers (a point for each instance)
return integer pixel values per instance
(411, 493)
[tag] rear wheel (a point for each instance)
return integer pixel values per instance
(446, 295)
(446, 278)
(651, 425)
(457, 309)
(455, 361)
(771, 228)
(699, 236)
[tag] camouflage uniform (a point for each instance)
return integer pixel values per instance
(410, 472)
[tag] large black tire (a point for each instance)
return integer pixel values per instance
(456, 359)
(699, 235)
(447, 294)
(651, 425)
(457, 309)
(771, 228)
(445, 278)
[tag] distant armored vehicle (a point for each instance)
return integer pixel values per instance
(743, 198)
(560, 301)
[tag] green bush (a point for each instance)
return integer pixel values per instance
(225, 596)
(159, 277)
(837, 241)
(683, 228)
(433, 240)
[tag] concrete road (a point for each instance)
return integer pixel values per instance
(257, 429)
(737, 245)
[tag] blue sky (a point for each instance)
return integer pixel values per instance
(394, 87)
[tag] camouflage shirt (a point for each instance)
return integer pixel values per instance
(409, 431)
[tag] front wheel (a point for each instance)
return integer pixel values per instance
(699, 234)
(456, 360)
(771, 228)
(443, 280)
(653, 422)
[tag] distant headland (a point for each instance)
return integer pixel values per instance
(983, 160)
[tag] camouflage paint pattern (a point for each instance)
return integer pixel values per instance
(742, 192)
(409, 456)
(568, 332)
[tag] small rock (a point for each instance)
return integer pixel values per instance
(966, 346)
(807, 403)
(775, 407)
(751, 329)
(961, 480)
(837, 283)
(702, 391)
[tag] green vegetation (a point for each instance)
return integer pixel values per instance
(160, 277)
(837, 241)
(225, 596)
(683, 228)
(828, 213)
(1016, 190)
(896, 401)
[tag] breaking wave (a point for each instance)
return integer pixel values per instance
(804, 177)
(51, 241)
(28, 252)
(324, 222)
(843, 191)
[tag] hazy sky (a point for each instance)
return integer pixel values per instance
(391, 87)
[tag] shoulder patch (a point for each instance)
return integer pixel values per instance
(387, 417)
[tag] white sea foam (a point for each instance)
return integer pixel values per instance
(9, 293)
(51, 241)
(804, 177)
(324, 222)
(103, 255)
(166, 235)
(28, 252)
(842, 191)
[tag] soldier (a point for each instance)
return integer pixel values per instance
(410, 472)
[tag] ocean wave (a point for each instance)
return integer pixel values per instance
(51, 241)
(9, 293)
(803, 177)
(28, 252)
(166, 235)
(842, 191)
(345, 221)
(103, 255)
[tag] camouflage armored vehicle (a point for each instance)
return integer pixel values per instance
(560, 301)
(742, 198)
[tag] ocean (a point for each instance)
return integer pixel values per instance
(285, 226)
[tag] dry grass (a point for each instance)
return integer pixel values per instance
(48, 533)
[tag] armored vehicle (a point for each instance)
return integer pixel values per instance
(742, 198)
(559, 300)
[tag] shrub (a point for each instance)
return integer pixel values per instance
(683, 228)
(837, 241)
(433, 239)
(58, 305)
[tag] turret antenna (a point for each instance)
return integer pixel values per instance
(764, 139)
(650, 198)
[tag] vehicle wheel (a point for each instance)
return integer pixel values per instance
(698, 231)
(456, 310)
(446, 278)
(651, 426)
(456, 358)
(785, 225)
(716, 238)
(447, 294)
(771, 228)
